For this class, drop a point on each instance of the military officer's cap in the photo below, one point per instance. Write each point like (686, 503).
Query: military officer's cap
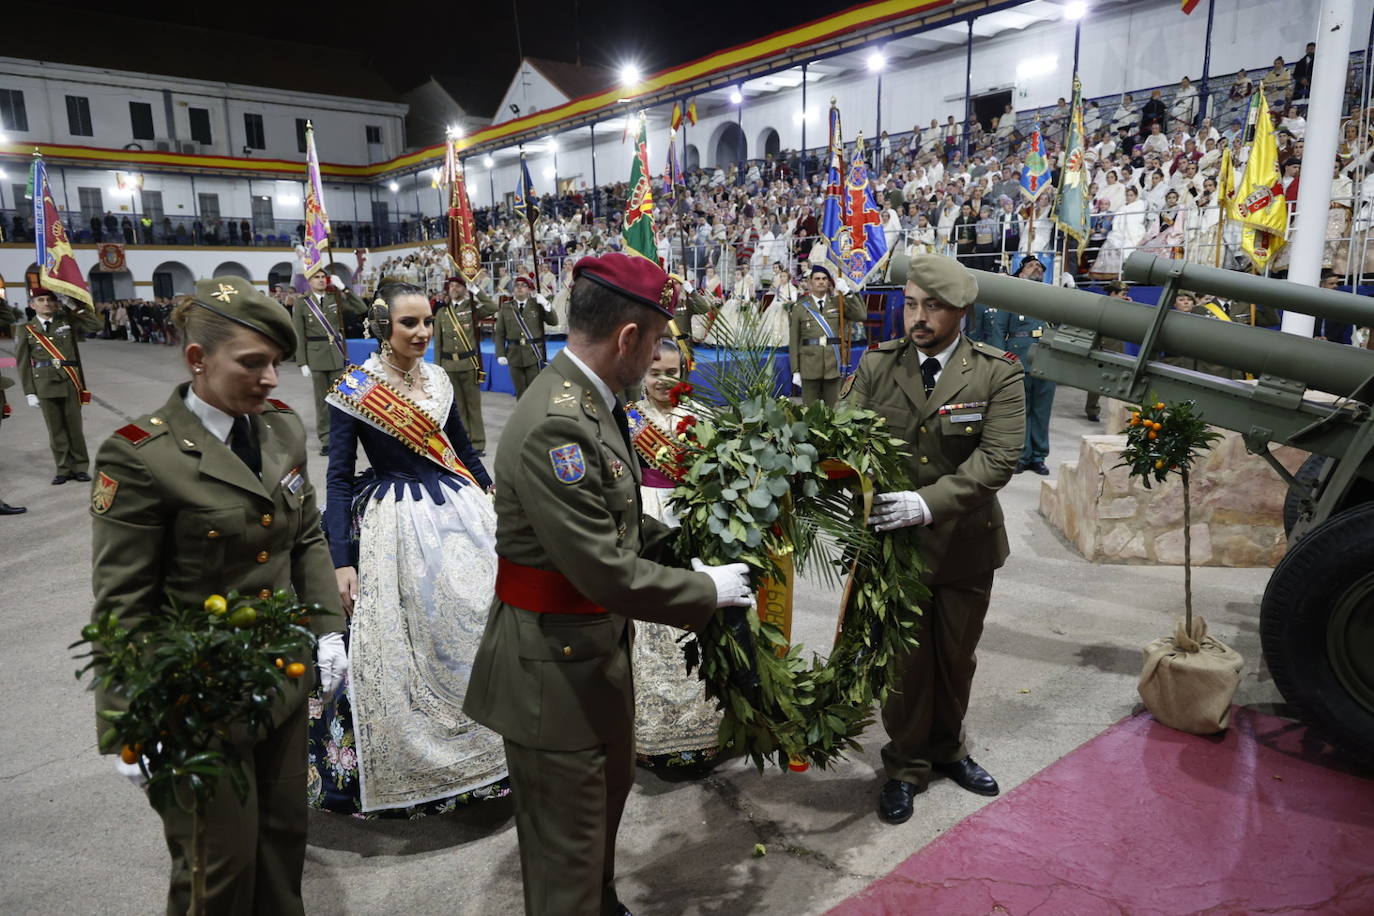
(944, 278)
(635, 277)
(525, 279)
(235, 298)
(457, 279)
(1029, 259)
(822, 270)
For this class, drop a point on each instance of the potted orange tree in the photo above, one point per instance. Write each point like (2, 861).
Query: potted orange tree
(1189, 678)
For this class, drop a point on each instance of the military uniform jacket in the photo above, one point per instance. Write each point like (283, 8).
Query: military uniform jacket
(689, 304)
(315, 347)
(176, 517)
(8, 315)
(449, 351)
(64, 330)
(567, 500)
(1016, 333)
(964, 441)
(817, 360)
(511, 341)
(980, 323)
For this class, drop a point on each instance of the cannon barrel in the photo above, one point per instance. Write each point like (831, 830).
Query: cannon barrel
(1151, 270)
(1318, 364)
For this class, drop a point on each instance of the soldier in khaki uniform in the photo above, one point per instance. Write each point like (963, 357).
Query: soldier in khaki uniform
(53, 380)
(961, 407)
(206, 494)
(321, 348)
(519, 333)
(814, 347)
(457, 350)
(552, 673)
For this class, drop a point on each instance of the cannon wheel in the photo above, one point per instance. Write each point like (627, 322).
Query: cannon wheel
(1307, 475)
(1317, 630)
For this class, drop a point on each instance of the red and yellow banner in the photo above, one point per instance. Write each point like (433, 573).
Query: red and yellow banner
(57, 267)
(462, 228)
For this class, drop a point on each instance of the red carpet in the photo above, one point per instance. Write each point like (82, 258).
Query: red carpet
(1146, 820)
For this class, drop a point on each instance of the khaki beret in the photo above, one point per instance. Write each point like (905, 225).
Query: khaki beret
(235, 298)
(944, 278)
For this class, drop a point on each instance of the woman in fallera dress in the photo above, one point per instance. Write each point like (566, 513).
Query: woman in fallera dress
(675, 724)
(413, 544)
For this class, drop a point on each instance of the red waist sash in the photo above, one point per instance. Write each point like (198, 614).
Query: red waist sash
(544, 591)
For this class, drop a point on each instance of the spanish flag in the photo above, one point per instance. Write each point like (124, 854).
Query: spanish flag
(1189, 6)
(692, 112)
(1259, 203)
(676, 121)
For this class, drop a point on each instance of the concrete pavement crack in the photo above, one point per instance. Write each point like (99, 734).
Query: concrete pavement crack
(768, 831)
(38, 766)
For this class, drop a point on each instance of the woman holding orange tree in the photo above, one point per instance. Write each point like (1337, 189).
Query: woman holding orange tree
(206, 495)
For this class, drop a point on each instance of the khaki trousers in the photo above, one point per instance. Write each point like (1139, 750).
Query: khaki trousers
(924, 719)
(66, 437)
(255, 849)
(818, 389)
(323, 380)
(522, 376)
(467, 394)
(567, 812)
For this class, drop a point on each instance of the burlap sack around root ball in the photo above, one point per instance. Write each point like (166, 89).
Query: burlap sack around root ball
(1189, 679)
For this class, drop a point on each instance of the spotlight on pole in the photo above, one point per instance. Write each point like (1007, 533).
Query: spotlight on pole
(876, 61)
(488, 162)
(553, 145)
(1075, 10)
(630, 74)
(736, 96)
(393, 187)
(548, 171)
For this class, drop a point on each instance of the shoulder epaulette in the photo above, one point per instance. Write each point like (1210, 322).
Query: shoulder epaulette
(895, 343)
(564, 398)
(1005, 355)
(133, 432)
(141, 432)
(280, 405)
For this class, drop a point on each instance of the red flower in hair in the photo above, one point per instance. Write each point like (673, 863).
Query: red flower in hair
(678, 392)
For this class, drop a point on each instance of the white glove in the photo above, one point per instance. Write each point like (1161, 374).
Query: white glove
(501, 361)
(131, 772)
(731, 581)
(796, 379)
(841, 285)
(898, 510)
(539, 297)
(32, 399)
(332, 659)
(305, 372)
(688, 287)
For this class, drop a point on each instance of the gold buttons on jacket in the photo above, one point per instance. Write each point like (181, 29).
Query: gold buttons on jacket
(265, 594)
(968, 429)
(156, 421)
(262, 556)
(266, 519)
(923, 429)
(212, 533)
(567, 650)
(925, 460)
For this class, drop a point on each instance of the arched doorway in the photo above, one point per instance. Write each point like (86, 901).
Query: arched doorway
(109, 285)
(172, 278)
(233, 269)
(691, 157)
(770, 142)
(730, 146)
(280, 275)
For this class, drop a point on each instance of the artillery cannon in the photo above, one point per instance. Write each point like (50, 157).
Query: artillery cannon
(1317, 615)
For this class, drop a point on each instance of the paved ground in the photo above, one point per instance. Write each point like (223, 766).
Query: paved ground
(1059, 662)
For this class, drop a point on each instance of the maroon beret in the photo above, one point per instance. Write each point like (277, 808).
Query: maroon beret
(525, 279)
(634, 276)
(462, 280)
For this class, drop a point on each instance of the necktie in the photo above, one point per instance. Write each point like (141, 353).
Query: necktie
(622, 423)
(241, 443)
(930, 367)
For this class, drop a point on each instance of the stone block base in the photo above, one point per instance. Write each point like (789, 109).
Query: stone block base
(1236, 514)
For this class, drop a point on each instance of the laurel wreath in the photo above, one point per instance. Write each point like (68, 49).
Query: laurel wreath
(755, 489)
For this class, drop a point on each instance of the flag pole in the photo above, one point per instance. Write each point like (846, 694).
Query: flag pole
(529, 220)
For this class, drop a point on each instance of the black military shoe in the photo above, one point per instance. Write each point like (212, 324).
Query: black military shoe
(7, 509)
(1039, 468)
(59, 479)
(894, 800)
(969, 775)
(1093, 418)
(1020, 466)
(81, 476)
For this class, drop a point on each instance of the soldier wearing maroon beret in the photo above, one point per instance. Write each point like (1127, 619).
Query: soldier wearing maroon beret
(518, 334)
(552, 673)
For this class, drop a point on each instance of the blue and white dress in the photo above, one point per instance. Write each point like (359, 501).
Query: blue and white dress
(425, 541)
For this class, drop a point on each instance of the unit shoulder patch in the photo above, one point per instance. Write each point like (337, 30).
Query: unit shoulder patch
(569, 465)
(103, 493)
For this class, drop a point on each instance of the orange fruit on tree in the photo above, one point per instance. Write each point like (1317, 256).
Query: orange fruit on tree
(1159, 464)
(216, 605)
(1152, 435)
(1159, 405)
(279, 663)
(128, 755)
(295, 670)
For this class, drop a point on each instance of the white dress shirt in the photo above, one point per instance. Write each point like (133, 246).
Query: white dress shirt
(219, 423)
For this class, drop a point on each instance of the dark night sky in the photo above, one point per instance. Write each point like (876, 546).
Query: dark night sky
(406, 42)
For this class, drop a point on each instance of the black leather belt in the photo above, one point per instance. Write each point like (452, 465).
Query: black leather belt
(819, 341)
(308, 337)
(469, 354)
(49, 363)
(1022, 334)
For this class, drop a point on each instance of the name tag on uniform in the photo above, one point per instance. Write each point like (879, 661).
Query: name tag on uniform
(293, 481)
(1037, 332)
(965, 417)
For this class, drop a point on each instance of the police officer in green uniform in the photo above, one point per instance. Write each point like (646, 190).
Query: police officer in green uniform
(1016, 334)
(49, 357)
(980, 321)
(519, 333)
(457, 349)
(206, 494)
(8, 315)
(960, 405)
(552, 673)
(814, 344)
(322, 348)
